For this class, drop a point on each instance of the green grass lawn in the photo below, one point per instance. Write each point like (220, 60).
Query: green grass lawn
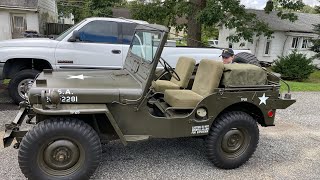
(311, 84)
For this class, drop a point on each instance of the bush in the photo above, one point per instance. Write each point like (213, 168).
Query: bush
(294, 66)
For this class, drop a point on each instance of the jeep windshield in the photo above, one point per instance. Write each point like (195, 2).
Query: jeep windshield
(144, 45)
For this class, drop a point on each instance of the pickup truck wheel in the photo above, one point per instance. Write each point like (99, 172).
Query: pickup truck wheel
(60, 148)
(232, 140)
(21, 83)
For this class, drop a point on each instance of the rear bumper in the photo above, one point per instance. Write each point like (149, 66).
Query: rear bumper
(12, 130)
(281, 103)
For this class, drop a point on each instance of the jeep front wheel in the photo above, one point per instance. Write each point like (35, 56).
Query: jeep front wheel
(60, 148)
(21, 83)
(232, 140)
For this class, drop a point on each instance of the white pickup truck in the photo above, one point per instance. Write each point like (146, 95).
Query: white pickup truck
(94, 43)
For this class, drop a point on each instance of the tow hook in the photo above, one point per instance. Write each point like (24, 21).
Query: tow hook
(287, 96)
(16, 145)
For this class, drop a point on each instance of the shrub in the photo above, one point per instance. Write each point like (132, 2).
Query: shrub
(294, 66)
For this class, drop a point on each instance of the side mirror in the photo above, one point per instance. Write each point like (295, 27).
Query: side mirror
(75, 36)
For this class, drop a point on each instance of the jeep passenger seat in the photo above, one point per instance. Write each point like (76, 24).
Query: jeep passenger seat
(184, 69)
(207, 79)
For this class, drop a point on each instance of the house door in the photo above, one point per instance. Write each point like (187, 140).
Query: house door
(18, 25)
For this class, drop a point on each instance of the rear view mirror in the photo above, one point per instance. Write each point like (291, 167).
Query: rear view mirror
(75, 36)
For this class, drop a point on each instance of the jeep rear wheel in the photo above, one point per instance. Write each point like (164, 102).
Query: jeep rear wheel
(232, 140)
(60, 148)
(21, 83)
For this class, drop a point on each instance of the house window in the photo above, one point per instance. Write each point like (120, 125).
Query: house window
(305, 43)
(267, 47)
(295, 42)
(18, 25)
(230, 45)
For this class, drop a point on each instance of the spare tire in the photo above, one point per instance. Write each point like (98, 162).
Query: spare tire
(246, 58)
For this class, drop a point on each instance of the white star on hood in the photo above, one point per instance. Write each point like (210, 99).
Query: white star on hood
(263, 99)
(82, 77)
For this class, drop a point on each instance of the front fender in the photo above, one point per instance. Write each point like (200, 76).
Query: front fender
(78, 109)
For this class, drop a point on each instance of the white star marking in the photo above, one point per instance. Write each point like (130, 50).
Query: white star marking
(263, 99)
(77, 77)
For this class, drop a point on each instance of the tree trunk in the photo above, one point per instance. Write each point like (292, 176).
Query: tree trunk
(194, 27)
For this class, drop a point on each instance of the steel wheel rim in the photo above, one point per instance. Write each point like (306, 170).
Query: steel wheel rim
(235, 142)
(24, 86)
(53, 157)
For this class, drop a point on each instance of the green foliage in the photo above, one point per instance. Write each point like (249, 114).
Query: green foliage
(88, 8)
(295, 66)
(160, 12)
(209, 33)
(308, 9)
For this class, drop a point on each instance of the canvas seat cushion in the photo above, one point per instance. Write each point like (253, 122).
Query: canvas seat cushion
(182, 98)
(162, 85)
(184, 69)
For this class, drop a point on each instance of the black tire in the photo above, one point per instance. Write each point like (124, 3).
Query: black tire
(232, 140)
(246, 58)
(21, 77)
(74, 148)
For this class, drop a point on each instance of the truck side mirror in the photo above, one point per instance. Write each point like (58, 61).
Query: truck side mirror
(75, 36)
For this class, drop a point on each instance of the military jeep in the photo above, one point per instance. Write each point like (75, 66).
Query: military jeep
(74, 113)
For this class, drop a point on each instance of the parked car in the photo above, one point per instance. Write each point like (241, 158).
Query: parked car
(31, 34)
(94, 43)
(213, 43)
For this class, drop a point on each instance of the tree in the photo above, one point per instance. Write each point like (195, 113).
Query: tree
(88, 8)
(208, 13)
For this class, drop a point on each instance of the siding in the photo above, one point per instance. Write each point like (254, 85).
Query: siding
(280, 44)
(5, 19)
(32, 21)
(224, 43)
(5, 31)
(48, 6)
(48, 13)
(276, 47)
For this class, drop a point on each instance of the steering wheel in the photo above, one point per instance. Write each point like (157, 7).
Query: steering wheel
(168, 69)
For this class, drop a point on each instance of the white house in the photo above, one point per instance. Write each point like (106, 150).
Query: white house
(287, 36)
(16, 16)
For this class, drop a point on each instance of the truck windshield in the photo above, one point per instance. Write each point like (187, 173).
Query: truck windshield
(145, 45)
(64, 34)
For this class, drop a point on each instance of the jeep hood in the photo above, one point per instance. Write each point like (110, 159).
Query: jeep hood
(87, 86)
(29, 42)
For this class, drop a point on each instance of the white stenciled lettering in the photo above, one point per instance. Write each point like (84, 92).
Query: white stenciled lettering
(200, 129)
(244, 99)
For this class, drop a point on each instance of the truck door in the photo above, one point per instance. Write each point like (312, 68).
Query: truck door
(99, 47)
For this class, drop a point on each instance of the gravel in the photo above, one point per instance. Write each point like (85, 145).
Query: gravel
(290, 150)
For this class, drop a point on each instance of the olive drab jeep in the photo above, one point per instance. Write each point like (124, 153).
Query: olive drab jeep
(74, 112)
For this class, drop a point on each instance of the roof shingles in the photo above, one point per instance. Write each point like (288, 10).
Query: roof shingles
(304, 23)
(25, 4)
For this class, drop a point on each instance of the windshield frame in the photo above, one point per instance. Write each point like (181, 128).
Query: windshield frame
(153, 49)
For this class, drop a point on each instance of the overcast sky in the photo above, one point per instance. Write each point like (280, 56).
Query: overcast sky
(260, 4)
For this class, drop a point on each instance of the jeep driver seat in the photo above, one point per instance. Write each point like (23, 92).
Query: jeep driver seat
(184, 69)
(207, 79)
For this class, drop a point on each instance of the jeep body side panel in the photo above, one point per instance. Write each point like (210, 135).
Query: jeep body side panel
(141, 122)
